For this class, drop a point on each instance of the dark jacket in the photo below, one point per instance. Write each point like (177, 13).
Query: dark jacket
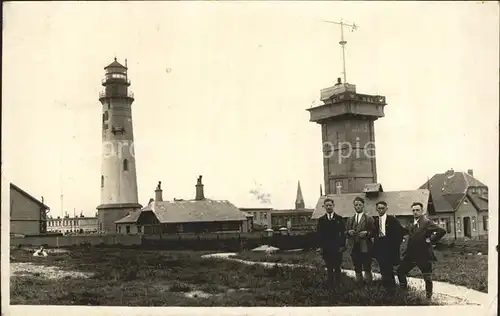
(388, 247)
(330, 233)
(367, 224)
(417, 248)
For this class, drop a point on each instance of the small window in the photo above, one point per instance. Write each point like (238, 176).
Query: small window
(466, 201)
(485, 223)
(127, 228)
(102, 181)
(459, 224)
(474, 226)
(119, 229)
(139, 229)
(125, 165)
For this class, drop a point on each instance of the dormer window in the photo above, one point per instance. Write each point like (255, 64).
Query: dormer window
(466, 201)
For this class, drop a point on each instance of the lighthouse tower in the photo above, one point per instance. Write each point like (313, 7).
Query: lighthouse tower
(118, 168)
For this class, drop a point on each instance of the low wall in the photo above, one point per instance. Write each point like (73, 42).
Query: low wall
(66, 241)
(227, 242)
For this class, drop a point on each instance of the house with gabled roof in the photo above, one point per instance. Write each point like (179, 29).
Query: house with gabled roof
(461, 204)
(198, 215)
(398, 202)
(28, 215)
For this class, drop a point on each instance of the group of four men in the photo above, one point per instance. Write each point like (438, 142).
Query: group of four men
(379, 238)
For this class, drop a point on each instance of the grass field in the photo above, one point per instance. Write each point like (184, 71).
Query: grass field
(454, 265)
(131, 277)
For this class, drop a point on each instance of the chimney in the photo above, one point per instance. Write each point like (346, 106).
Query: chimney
(199, 190)
(470, 172)
(158, 193)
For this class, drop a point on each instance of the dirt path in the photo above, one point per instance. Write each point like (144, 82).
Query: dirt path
(445, 293)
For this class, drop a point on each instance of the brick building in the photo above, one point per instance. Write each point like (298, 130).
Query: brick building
(199, 215)
(261, 216)
(28, 215)
(461, 204)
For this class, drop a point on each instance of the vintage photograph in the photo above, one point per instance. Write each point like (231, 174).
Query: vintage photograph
(250, 154)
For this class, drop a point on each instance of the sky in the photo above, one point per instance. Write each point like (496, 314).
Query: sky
(221, 90)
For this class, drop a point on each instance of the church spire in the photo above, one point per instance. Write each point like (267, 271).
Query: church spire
(299, 201)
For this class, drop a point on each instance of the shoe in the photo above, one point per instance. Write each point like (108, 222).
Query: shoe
(369, 276)
(359, 277)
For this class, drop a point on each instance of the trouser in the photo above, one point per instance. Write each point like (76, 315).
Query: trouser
(387, 271)
(362, 262)
(333, 262)
(407, 264)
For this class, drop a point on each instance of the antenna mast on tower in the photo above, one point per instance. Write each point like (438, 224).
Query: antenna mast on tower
(342, 41)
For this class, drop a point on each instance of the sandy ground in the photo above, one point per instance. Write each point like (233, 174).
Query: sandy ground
(49, 272)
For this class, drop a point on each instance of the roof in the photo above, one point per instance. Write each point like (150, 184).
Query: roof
(373, 187)
(115, 63)
(449, 189)
(292, 211)
(398, 202)
(29, 196)
(130, 218)
(184, 211)
(479, 201)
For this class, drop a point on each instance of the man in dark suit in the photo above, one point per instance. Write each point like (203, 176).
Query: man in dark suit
(331, 240)
(387, 242)
(422, 234)
(360, 230)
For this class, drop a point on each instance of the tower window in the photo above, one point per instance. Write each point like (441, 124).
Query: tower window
(102, 181)
(125, 165)
(105, 115)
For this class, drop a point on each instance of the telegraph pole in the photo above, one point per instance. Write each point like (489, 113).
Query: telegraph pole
(342, 41)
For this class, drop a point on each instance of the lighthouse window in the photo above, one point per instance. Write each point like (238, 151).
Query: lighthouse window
(106, 116)
(125, 165)
(102, 181)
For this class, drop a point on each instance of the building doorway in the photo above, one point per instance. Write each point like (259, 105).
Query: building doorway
(467, 227)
